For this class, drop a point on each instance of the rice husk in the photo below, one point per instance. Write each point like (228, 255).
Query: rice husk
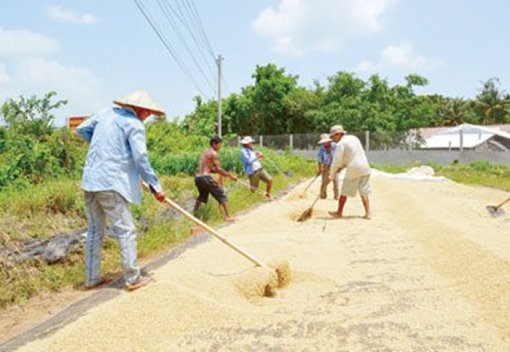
(257, 282)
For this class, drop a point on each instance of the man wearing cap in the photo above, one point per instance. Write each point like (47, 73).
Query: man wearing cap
(209, 164)
(349, 155)
(116, 160)
(253, 167)
(324, 160)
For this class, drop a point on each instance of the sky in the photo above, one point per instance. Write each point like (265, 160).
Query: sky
(92, 52)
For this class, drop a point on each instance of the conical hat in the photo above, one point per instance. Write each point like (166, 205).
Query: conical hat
(140, 99)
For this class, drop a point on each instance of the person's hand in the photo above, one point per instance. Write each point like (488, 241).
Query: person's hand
(260, 155)
(161, 196)
(233, 177)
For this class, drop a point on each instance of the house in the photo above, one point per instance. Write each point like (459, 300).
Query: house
(467, 137)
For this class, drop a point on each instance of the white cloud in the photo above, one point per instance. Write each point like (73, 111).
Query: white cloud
(24, 70)
(4, 76)
(78, 85)
(62, 14)
(399, 56)
(21, 43)
(301, 26)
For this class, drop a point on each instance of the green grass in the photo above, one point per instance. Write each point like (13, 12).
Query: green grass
(480, 173)
(39, 211)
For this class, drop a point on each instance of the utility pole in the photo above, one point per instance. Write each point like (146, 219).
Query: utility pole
(218, 62)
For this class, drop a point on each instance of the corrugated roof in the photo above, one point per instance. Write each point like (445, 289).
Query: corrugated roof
(473, 136)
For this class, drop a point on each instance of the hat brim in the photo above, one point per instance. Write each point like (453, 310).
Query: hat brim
(153, 111)
(337, 132)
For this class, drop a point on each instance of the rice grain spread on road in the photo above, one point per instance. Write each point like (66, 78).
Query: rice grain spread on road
(430, 272)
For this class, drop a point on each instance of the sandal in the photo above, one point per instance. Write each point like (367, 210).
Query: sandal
(102, 281)
(141, 282)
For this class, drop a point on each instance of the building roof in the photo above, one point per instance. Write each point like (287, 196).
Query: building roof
(431, 131)
(473, 136)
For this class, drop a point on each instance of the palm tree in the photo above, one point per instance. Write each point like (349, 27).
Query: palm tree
(453, 111)
(490, 103)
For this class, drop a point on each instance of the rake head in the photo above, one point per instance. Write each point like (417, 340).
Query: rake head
(495, 211)
(307, 214)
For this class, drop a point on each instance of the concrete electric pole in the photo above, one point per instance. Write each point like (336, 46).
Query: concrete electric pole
(218, 62)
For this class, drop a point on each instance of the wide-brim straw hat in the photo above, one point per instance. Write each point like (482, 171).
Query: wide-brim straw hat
(140, 99)
(337, 129)
(247, 140)
(324, 139)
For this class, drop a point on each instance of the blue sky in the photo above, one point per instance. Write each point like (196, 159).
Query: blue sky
(93, 51)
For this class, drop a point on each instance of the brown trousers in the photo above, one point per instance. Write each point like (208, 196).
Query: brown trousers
(325, 183)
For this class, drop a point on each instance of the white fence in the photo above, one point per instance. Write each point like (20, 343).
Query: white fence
(396, 148)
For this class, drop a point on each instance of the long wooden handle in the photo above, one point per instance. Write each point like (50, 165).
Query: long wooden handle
(213, 232)
(506, 201)
(315, 201)
(246, 184)
(311, 182)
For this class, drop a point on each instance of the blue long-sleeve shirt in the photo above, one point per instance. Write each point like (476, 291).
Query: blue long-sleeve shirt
(324, 157)
(117, 154)
(250, 161)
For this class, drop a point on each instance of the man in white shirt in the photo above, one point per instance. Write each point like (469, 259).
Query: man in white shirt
(349, 155)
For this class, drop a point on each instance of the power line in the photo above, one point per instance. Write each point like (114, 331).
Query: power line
(182, 19)
(193, 13)
(175, 28)
(166, 44)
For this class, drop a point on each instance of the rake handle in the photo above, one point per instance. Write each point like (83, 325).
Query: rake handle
(209, 229)
(311, 182)
(315, 201)
(246, 184)
(503, 203)
(215, 233)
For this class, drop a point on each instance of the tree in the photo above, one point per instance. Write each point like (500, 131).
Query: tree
(272, 85)
(453, 111)
(32, 116)
(490, 103)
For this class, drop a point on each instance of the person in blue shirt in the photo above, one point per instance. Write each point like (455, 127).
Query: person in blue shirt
(324, 160)
(253, 167)
(116, 161)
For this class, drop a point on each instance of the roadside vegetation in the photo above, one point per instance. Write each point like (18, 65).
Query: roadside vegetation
(40, 195)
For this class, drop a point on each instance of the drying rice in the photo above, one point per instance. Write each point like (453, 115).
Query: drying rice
(400, 282)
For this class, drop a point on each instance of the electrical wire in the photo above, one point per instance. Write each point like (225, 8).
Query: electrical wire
(175, 28)
(167, 44)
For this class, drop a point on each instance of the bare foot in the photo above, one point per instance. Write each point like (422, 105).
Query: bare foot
(230, 219)
(367, 217)
(335, 214)
(269, 196)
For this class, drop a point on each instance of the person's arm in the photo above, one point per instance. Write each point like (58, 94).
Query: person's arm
(319, 161)
(216, 167)
(138, 144)
(338, 162)
(86, 129)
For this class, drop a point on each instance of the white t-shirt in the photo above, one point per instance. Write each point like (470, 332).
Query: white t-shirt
(349, 154)
(256, 165)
